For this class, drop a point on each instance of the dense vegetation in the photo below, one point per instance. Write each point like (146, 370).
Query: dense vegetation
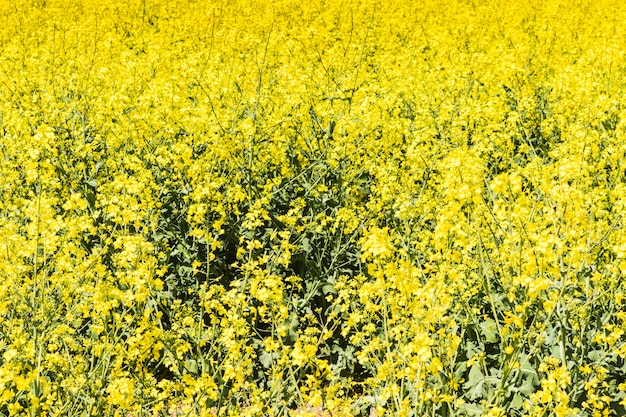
(330, 207)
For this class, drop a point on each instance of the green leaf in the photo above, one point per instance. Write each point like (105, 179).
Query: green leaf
(474, 384)
(266, 359)
(329, 289)
(192, 366)
(91, 198)
(490, 330)
(472, 409)
(475, 375)
(517, 402)
(596, 355)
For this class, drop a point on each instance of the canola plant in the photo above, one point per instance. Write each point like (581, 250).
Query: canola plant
(321, 208)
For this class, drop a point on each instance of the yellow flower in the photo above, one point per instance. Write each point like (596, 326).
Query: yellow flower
(15, 408)
(121, 392)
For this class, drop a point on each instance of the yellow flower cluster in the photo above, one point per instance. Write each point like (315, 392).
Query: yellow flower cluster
(353, 207)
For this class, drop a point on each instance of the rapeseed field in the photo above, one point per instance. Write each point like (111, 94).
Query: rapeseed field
(320, 208)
